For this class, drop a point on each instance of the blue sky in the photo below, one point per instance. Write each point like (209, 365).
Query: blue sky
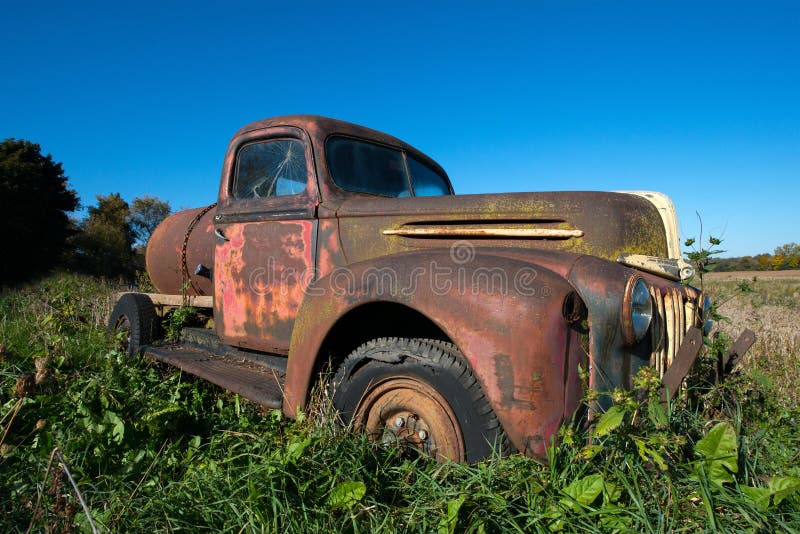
(698, 100)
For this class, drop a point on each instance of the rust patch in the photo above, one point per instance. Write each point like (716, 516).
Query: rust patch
(512, 394)
(262, 273)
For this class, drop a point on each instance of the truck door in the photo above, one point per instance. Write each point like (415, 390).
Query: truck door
(265, 228)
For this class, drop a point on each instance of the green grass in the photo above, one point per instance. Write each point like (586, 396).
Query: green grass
(152, 449)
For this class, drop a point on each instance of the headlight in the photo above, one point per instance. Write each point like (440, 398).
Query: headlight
(637, 310)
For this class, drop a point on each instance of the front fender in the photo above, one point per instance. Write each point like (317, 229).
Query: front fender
(504, 314)
(613, 363)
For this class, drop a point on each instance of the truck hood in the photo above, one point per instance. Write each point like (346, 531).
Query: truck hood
(604, 224)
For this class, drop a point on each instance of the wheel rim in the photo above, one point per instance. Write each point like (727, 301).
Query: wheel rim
(407, 412)
(123, 324)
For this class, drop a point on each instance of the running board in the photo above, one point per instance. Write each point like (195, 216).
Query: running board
(252, 380)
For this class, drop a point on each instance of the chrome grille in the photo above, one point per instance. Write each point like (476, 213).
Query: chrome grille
(675, 310)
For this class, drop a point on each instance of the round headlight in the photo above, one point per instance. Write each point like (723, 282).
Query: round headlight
(637, 311)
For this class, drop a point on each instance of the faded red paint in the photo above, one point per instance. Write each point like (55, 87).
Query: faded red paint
(261, 273)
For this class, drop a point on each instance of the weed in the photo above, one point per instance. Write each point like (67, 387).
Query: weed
(176, 319)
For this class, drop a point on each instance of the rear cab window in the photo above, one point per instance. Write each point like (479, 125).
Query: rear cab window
(364, 167)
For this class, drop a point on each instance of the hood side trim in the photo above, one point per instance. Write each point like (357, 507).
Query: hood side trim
(449, 231)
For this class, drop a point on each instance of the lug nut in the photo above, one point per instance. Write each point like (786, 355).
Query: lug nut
(399, 422)
(423, 435)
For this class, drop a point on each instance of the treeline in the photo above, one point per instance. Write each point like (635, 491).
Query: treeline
(784, 258)
(42, 232)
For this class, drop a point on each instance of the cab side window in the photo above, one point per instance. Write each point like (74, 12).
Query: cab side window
(271, 168)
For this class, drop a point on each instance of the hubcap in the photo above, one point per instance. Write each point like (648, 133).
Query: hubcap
(407, 412)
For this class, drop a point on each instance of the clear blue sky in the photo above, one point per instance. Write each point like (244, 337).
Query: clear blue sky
(702, 103)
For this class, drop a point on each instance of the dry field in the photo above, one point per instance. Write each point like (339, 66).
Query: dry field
(767, 302)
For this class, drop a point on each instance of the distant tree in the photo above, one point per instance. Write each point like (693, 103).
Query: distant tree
(34, 201)
(788, 249)
(777, 262)
(104, 244)
(147, 212)
(791, 254)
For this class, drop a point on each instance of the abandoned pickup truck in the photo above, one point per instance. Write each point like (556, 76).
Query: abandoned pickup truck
(447, 323)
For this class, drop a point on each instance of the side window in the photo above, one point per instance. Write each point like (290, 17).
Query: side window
(426, 181)
(270, 169)
(366, 167)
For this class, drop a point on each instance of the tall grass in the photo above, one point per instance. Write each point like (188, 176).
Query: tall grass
(152, 449)
(771, 308)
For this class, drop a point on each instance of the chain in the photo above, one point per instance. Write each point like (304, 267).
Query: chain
(186, 278)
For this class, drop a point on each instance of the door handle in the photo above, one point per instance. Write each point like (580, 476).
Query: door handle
(220, 234)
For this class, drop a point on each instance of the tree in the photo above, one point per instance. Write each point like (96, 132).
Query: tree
(791, 254)
(34, 201)
(104, 244)
(146, 213)
(788, 249)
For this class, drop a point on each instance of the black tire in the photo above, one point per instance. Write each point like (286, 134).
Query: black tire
(389, 383)
(135, 314)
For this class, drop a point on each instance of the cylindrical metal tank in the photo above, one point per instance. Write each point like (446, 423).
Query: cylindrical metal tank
(192, 230)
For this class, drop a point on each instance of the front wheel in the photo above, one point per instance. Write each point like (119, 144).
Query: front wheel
(417, 394)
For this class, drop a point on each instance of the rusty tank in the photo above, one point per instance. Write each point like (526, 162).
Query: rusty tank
(181, 243)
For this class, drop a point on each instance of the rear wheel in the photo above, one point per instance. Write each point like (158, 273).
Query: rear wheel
(134, 317)
(417, 394)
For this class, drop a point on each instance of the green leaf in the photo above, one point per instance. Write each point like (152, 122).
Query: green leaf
(555, 517)
(649, 454)
(588, 452)
(657, 414)
(782, 487)
(496, 503)
(447, 525)
(295, 450)
(719, 452)
(779, 488)
(615, 518)
(117, 426)
(346, 494)
(609, 421)
(611, 493)
(164, 413)
(759, 496)
(583, 491)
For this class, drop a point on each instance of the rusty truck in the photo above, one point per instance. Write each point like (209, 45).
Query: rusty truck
(449, 324)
